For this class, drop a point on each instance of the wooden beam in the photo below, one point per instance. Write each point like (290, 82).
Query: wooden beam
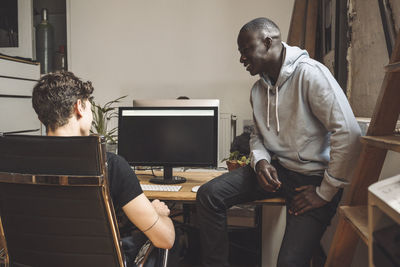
(393, 67)
(387, 108)
(370, 163)
(298, 24)
(303, 25)
(311, 27)
(343, 245)
(367, 171)
(389, 142)
(358, 218)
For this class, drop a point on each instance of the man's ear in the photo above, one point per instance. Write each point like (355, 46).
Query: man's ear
(268, 42)
(78, 108)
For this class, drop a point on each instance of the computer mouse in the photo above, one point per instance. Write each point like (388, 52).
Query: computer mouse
(195, 188)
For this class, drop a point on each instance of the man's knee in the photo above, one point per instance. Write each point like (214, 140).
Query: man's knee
(207, 196)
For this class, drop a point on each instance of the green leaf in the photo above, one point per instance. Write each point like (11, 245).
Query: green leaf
(236, 156)
(102, 115)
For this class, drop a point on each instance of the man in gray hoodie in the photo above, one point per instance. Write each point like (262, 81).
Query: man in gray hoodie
(304, 147)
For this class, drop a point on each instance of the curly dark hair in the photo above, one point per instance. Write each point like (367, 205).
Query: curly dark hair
(55, 95)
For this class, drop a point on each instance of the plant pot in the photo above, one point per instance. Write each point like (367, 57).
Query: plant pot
(233, 164)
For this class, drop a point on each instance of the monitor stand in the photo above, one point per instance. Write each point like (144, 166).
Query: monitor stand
(168, 178)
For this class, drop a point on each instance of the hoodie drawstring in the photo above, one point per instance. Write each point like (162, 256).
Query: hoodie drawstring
(276, 107)
(268, 88)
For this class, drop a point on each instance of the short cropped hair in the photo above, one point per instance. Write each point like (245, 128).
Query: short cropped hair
(55, 95)
(261, 24)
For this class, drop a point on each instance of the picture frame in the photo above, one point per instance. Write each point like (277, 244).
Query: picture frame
(25, 32)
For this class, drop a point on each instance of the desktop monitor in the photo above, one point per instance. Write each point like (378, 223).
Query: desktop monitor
(169, 133)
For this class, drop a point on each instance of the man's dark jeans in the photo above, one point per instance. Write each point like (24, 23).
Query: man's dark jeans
(302, 234)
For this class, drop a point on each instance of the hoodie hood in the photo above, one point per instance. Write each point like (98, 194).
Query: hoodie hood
(292, 56)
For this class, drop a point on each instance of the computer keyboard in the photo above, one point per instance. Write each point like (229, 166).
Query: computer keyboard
(161, 187)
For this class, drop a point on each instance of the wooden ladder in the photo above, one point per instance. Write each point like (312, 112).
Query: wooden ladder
(380, 137)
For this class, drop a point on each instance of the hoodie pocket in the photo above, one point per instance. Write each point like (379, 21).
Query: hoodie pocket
(300, 159)
(310, 151)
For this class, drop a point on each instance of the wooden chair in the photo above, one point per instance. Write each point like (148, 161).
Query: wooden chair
(55, 206)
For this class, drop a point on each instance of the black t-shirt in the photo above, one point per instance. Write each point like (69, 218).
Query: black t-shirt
(124, 186)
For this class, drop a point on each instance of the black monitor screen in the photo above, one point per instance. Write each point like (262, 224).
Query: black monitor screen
(168, 136)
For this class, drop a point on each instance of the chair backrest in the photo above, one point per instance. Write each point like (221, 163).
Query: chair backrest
(55, 207)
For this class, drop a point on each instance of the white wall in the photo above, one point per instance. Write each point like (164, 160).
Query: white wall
(164, 49)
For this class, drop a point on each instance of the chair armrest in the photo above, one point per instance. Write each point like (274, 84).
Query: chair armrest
(151, 255)
(2, 257)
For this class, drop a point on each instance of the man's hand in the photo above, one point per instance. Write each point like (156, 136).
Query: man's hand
(160, 207)
(267, 176)
(306, 200)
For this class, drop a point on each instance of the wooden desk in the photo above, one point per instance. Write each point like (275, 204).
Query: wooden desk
(185, 195)
(193, 179)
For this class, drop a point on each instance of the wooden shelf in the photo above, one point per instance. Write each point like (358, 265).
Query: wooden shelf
(390, 142)
(393, 67)
(358, 218)
(19, 59)
(369, 166)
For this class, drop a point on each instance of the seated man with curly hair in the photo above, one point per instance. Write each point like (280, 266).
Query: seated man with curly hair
(62, 103)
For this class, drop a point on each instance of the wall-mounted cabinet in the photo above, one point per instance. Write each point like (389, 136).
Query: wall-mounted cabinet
(17, 78)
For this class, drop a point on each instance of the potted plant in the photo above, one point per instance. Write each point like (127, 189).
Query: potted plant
(101, 118)
(236, 160)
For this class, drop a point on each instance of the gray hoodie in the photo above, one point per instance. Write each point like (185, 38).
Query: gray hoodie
(306, 122)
